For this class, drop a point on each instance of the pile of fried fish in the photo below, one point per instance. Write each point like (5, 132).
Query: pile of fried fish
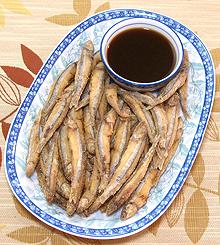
(96, 146)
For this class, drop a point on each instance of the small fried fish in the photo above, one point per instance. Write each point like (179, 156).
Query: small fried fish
(55, 119)
(122, 136)
(33, 155)
(96, 59)
(103, 105)
(65, 79)
(160, 120)
(65, 152)
(145, 98)
(96, 90)
(44, 159)
(43, 184)
(89, 131)
(77, 117)
(112, 98)
(54, 167)
(84, 100)
(60, 200)
(63, 186)
(78, 166)
(89, 195)
(83, 71)
(139, 198)
(172, 150)
(103, 140)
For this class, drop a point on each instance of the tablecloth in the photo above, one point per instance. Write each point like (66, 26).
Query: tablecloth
(30, 29)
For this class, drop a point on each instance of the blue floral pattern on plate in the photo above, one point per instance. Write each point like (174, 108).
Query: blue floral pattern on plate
(201, 93)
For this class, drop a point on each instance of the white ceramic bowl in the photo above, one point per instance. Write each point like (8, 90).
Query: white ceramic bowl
(141, 22)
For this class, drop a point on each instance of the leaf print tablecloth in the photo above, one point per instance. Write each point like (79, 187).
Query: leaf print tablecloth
(29, 31)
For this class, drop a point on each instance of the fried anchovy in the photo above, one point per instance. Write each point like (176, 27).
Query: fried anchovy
(127, 110)
(83, 71)
(147, 146)
(54, 167)
(43, 184)
(89, 195)
(160, 120)
(139, 198)
(139, 110)
(66, 78)
(96, 59)
(96, 90)
(121, 138)
(48, 163)
(84, 100)
(60, 201)
(159, 163)
(114, 132)
(172, 86)
(173, 100)
(88, 170)
(78, 166)
(33, 155)
(112, 98)
(134, 122)
(104, 206)
(125, 167)
(44, 168)
(159, 159)
(146, 149)
(44, 155)
(89, 131)
(151, 123)
(55, 119)
(130, 186)
(63, 186)
(103, 102)
(145, 98)
(172, 150)
(77, 117)
(65, 152)
(103, 140)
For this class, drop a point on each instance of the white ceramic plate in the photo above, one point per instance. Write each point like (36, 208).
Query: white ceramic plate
(99, 226)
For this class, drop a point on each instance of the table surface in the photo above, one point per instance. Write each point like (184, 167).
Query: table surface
(30, 29)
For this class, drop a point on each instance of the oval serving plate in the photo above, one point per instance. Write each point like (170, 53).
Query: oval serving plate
(98, 226)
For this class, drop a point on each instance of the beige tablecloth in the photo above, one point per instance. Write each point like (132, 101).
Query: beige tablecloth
(30, 29)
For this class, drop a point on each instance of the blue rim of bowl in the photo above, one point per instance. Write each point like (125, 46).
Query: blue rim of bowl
(133, 83)
(11, 141)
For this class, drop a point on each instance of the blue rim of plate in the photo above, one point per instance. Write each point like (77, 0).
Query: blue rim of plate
(127, 230)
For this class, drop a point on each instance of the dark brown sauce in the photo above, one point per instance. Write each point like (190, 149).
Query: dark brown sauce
(141, 55)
